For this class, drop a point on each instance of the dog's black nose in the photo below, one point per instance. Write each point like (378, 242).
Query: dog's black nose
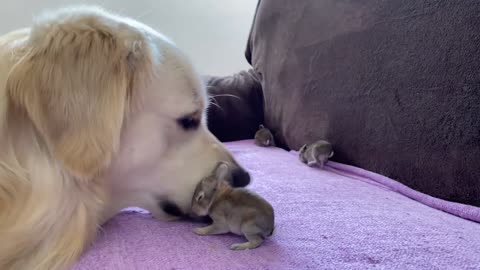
(170, 208)
(240, 178)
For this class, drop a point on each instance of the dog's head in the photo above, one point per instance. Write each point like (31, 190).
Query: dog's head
(111, 98)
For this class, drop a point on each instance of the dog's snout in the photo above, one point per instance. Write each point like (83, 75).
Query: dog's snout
(240, 177)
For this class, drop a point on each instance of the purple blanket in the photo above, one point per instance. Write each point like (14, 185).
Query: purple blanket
(339, 218)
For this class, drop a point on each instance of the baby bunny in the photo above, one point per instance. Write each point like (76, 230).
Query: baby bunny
(235, 210)
(316, 153)
(264, 137)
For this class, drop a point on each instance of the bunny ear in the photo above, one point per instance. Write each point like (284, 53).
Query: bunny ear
(221, 173)
(261, 127)
(331, 154)
(303, 148)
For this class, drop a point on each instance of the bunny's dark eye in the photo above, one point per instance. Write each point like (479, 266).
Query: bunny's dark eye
(200, 197)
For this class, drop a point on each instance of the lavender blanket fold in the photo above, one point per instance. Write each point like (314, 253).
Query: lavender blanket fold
(339, 218)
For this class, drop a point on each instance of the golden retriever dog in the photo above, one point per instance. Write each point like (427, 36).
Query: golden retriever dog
(97, 113)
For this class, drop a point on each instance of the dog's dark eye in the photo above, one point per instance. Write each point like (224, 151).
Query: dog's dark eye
(188, 123)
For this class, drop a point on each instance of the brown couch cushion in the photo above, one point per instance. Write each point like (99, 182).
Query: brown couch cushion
(394, 85)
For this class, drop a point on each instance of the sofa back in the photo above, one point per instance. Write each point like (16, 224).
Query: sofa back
(394, 85)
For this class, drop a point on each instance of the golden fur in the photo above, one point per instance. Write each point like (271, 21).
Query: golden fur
(68, 87)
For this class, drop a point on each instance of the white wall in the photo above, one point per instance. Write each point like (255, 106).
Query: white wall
(212, 32)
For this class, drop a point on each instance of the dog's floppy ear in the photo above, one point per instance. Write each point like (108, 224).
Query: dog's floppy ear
(73, 84)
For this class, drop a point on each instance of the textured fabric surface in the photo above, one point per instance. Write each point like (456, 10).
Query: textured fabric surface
(394, 85)
(339, 218)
